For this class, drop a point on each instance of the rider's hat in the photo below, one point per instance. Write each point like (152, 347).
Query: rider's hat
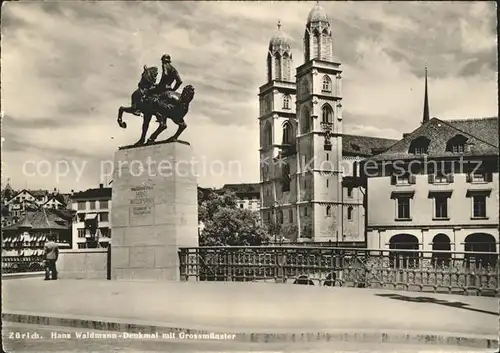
(166, 58)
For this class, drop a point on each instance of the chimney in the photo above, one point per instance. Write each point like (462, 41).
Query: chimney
(101, 186)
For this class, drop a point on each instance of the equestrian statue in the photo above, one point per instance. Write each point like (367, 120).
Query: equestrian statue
(160, 100)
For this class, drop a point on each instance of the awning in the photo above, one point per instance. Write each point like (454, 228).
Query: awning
(90, 216)
(483, 191)
(442, 192)
(402, 193)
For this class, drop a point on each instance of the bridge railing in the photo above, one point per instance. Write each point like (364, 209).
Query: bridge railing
(475, 273)
(20, 264)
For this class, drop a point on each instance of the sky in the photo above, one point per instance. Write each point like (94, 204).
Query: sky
(68, 66)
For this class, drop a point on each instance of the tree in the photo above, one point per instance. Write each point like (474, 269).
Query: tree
(227, 224)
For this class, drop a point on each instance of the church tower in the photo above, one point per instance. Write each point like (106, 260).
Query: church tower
(319, 135)
(277, 121)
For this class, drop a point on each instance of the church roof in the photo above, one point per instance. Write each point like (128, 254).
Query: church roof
(279, 39)
(481, 135)
(364, 146)
(317, 14)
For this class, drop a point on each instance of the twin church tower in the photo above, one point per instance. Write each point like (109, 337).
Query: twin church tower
(302, 188)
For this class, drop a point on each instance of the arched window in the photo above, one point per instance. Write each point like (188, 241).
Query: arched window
(277, 67)
(305, 121)
(420, 145)
(349, 213)
(328, 211)
(286, 101)
(287, 133)
(327, 114)
(327, 84)
(268, 134)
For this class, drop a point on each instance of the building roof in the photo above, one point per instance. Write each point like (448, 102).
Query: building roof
(42, 219)
(100, 192)
(365, 145)
(249, 188)
(481, 137)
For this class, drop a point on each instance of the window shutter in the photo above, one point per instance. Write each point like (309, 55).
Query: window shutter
(412, 179)
(393, 180)
(431, 178)
(450, 178)
(469, 178)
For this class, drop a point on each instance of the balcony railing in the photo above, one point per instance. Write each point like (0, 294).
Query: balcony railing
(413, 270)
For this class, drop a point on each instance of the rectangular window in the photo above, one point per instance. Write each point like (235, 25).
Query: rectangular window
(328, 156)
(81, 233)
(92, 205)
(479, 206)
(104, 217)
(327, 182)
(440, 178)
(403, 208)
(478, 177)
(349, 192)
(420, 150)
(403, 179)
(305, 211)
(81, 205)
(290, 216)
(81, 217)
(103, 204)
(441, 206)
(459, 148)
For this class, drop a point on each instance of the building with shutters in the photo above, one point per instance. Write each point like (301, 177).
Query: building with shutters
(437, 188)
(309, 181)
(92, 223)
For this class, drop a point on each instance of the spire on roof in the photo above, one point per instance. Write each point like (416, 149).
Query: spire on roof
(426, 101)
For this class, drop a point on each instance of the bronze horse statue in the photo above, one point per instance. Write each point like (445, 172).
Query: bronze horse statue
(148, 102)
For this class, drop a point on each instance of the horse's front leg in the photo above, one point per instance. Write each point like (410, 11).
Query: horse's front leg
(145, 126)
(122, 110)
(162, 127)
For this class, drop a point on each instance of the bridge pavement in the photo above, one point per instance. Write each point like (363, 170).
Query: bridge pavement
(255, 311)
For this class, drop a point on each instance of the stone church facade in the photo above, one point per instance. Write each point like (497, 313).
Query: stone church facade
(310, 188)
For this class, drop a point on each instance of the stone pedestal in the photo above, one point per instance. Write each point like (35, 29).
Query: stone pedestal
(155, 210)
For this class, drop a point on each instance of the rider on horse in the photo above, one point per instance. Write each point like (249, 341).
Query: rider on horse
(169, 74)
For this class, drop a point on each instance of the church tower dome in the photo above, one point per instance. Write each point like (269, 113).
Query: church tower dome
(279, 40)
(317, 14)
(318, 41)
(279, 57)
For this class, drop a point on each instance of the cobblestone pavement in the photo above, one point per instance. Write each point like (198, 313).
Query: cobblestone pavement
(72, 344)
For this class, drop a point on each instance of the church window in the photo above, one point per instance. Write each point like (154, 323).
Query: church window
(268, 134)
(327, 114)
(349, 213)
(305, 121)
(327, 84)
(286, 101)
(287, 133)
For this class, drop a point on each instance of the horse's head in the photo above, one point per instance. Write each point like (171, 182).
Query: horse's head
(150, 74)
(187, 94)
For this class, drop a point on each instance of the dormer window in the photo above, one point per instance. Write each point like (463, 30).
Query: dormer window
(420, 145)
(456, 144)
